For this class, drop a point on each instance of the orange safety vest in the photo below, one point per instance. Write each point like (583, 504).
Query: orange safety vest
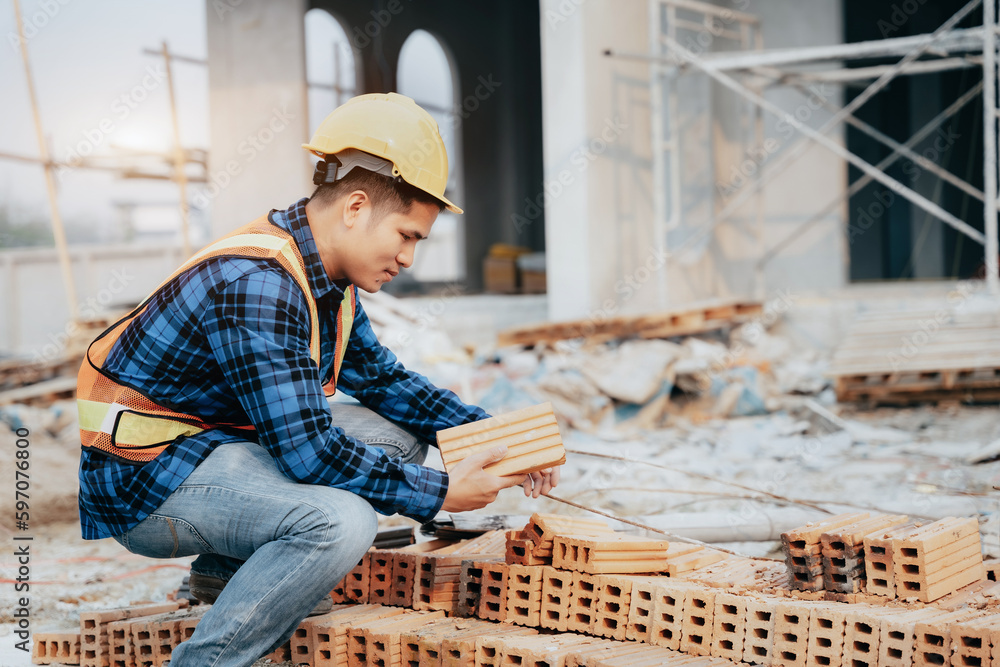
(125, 423)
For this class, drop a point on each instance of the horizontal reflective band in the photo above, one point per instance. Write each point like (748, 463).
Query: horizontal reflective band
(135, 430)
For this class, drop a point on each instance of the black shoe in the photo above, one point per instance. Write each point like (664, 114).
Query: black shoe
(206, 589)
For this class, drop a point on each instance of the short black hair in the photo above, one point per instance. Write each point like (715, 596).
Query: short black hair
(387, 194)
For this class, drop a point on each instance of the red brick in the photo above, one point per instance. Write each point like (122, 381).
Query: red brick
(699, 617)
(56, 647)
(669, 597)
(641, 608)
(758, 643)
(94, 633)
(524, 594)
(493, 599)
(729, 626)
(557, 591)
(610, 554)
(582, 604)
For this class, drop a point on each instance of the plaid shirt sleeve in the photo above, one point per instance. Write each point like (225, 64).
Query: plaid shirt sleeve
(372, 374)
(257, 326)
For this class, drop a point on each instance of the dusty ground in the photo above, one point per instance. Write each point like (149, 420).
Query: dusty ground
(905, 460)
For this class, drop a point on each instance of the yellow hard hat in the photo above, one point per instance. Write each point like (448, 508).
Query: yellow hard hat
(394, 128)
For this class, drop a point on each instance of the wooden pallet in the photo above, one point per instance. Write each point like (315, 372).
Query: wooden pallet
(920, 356)
(693, 319)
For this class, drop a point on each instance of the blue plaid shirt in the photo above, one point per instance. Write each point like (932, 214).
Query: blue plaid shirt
(228, 341)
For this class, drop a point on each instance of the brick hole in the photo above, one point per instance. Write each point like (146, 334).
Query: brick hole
(413, 663)
(825, 623)
(896, 634)
(934, 640)
(455, 653)
(790, 638)
(489, 652)
(523, 578)
(862, 647)
(518, 551)
(798, 544)
(585, 602)
(801, 576)
(909, 552)
(475, 571)
(587, 586)
(556, 582)
(792, 618)
(726, 644)
(840, 578)
(610, 623)
(838, 562)
(639, 611)
(696, 639)
(878, 551)
(933, 658)
(760, 633)
(612, 607)
(729, 609)
(513, 660)
(425, 583)
(474, 588)
(972, 642)
(324, 654)
(880, 583)
(299, 648)
(728, 627)
(799, 560)
(615, 591)
(493, 606)
(188, 633)
(911, 569)
(583, 618)
(971, 661)
(640, 628)
(895, 653)
(400, 579)
(585, 553)
(667, 633)
(146, 650)
(670, 601)
(379, 646)
(553, 615)
(522, 611)
(143, 635)
(89, 624)
(379, 662)
(880, 566)
(496, 576)
(700, 604)
(763, 616)
(163, 634)
(788, 655)
(667, 618)
(837, 546)
(118, 634)
(300, 632)
(431, 653)
(553, 599)
(522, 595)
(822, 659)
(698, 620)
(645, 595)
(493, 590)
(859, 663)
(381, 562)
(825, 642)
(574, 552)
(537, 531)
(911, 585)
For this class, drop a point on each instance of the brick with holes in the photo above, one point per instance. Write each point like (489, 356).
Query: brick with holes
(936, 559)
(973, 640)
(932, 643)
(610, 554)
(758, 642)
(896, 635)
(543, 528)
(524, 594)
(614, 598)
(861, 635)
(843, 551)
(437, 581)
(354, 586)
(641, 607)
(879, 578)
(729, 626)
(470, 586)
(668, 612)
(56, 647)
(302, 643)
(582, 603)
(380, 575)
(699, 616)
(791, 633)
(827, 627)
(520, 550)
(803, 551)
(421, 644)
(493, 599)
(370, 642)
(557, 590)
(459, 649)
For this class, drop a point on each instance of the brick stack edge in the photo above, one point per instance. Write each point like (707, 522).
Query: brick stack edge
(567, 592)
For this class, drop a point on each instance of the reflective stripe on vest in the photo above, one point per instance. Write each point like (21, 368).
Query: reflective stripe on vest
(126, 424)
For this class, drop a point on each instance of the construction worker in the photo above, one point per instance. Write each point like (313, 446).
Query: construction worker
(203, 419)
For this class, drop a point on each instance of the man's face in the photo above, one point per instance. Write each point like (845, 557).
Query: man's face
(380, 249)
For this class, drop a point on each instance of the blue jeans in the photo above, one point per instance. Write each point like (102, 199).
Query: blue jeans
(283, 546)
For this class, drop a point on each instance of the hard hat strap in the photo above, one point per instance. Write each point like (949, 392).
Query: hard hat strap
(336, 167)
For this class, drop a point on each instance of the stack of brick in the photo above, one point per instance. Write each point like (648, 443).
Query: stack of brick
(843, 552)
(95, 641)
(803, 555)
(438, 573)
(610, 554)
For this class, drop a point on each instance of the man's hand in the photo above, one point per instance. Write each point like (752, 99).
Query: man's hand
(543, 481)
(470, 487)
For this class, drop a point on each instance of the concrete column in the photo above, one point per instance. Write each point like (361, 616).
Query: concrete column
(596, 127)
(258, 104)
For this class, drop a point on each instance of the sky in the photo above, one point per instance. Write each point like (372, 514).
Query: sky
(100, 94)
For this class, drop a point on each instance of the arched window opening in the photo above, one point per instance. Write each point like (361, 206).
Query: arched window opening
(330, 67)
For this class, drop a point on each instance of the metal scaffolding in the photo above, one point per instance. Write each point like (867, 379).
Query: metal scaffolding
(746, 72)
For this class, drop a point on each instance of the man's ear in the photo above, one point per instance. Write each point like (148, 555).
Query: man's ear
(357, 208)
